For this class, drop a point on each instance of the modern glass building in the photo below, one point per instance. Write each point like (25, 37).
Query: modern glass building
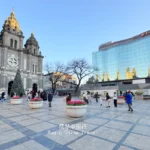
(125, 59)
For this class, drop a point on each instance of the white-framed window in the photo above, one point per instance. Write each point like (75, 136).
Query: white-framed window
(34, 68)
(11, 42)
(15, 44)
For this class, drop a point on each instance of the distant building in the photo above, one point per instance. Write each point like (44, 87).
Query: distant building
(60, 85)
(13, 56)
(125, 59)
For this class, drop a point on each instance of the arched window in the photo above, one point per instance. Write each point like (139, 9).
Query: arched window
(11, 42)
(15, 43)
(33, 68)
(34, 51)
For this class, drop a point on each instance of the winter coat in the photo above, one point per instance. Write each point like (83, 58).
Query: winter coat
(3, 95)
(68, 98)
(96, 96)
(115, 96)
(50, 97)
(44, 96)
(108, 97)
(89, 96)
(129, 98)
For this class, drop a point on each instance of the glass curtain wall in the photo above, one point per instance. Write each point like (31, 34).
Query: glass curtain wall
(125, 61)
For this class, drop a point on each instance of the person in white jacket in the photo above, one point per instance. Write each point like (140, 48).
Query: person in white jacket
(85, 98)
(115, 99)
(89, 97)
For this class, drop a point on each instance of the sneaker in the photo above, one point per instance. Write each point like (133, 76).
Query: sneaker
(132, 110)
(100, 104)
(128, 110)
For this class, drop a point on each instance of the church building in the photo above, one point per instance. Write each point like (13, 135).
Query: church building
(13, 56)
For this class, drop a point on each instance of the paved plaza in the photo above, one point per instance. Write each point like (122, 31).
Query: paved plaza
(22, 128)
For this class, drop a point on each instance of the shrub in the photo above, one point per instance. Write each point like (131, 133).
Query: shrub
(76, 103)
(36, 99)
(138, 92)
(16, 97)
(121, 97)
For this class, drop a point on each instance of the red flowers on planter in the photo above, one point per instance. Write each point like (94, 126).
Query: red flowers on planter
(76, 103)
(36, 99)
(120, 96)
(16, 97)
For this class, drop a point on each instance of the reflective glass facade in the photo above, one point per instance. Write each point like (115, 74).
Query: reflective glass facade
(124, 60)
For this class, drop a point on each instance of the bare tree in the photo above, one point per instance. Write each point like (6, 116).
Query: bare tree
(81, 69)
(55, 73)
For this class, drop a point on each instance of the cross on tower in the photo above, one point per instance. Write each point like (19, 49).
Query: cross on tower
(13, 9)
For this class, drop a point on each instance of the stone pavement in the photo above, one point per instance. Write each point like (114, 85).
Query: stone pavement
(22, 128)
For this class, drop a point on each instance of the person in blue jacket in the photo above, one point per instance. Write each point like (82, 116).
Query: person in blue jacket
(129, 101)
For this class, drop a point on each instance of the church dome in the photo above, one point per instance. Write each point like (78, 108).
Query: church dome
(32, 41)
(12, 22)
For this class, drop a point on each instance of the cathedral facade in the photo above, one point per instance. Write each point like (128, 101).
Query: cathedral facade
(13, 56)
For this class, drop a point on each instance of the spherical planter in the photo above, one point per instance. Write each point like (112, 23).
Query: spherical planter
(16, 101)
(76, 111)
(35, 104)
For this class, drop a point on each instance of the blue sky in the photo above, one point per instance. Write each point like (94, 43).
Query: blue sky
(69, 29)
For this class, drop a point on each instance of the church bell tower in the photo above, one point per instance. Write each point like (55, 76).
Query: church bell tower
(12, 36)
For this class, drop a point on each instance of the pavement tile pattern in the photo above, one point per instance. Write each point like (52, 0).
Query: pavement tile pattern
(22, 128)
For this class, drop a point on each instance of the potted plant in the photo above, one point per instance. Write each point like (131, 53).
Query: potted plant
(138, 95)
(16, 100)
(36, 103)
(17, 90)
(76, 108)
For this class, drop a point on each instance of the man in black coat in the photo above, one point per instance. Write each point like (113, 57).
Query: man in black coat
(50, 97)
(44, 96)
(96, 96)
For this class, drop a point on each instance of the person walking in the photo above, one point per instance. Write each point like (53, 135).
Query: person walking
(108, 99)
(85, 98)
(96, 96)
(68, 98)
(89, 98)
(50, 98)
(100, 100)
(3, 96)
(44, 96)
(125, 96)
(115, 99)
(29, 96)
(129, 101)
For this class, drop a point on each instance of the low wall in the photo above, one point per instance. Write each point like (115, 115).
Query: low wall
(102, 92)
